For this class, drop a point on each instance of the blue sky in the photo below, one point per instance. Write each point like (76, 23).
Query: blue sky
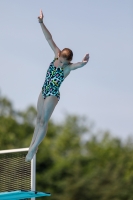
(103, 89)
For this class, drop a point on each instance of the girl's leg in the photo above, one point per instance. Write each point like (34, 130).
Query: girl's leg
(48, 106)
(39, 113)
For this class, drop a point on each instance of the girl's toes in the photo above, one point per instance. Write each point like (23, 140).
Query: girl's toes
(30, 155)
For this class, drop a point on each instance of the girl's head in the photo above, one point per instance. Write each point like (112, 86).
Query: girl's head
(65, 56)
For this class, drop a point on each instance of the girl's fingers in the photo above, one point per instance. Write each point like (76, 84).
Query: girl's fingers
(41, 14)
(87, 56)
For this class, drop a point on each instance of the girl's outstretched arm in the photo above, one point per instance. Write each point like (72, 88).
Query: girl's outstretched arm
(48, 35)
(85, 60)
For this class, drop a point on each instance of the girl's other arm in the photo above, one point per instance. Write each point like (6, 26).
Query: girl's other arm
(85, 60)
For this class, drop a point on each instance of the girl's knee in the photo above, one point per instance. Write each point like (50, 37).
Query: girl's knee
(38, 119)
(43, 122)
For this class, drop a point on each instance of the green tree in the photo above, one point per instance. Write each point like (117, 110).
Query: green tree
(69, 167)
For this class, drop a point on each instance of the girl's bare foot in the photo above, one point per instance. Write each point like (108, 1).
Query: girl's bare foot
(30, 155)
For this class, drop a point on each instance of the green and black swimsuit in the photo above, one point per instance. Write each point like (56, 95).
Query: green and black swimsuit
(53, 80)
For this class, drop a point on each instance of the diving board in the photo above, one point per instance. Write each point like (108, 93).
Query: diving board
(17, 177)
(20, 194)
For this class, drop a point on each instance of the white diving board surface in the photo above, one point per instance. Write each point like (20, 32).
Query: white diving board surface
(21, 194)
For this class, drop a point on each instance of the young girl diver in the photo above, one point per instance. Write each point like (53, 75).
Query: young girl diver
(58, 70)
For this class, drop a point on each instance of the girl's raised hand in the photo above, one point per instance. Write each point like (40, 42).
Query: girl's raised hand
(40, 18)
(85, 59)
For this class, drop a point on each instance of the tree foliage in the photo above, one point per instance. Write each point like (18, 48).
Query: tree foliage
(69, 167)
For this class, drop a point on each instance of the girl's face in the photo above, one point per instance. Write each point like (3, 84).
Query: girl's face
(63, 62)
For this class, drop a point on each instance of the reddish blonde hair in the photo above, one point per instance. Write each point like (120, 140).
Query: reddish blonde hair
(66, 53)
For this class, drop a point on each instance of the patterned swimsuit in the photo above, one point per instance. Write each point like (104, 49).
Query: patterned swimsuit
(53, 80)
